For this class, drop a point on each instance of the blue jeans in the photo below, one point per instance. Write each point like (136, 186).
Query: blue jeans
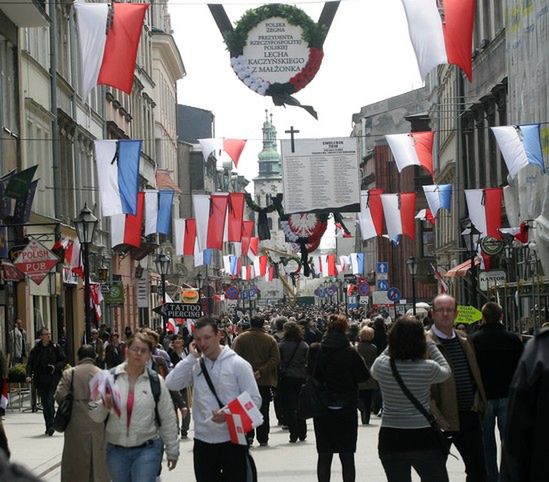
(495, 409)
(134, 464)
(429, 464)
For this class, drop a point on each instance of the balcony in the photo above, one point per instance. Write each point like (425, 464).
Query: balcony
(26, 13)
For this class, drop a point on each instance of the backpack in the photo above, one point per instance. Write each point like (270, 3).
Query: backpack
(154, 380)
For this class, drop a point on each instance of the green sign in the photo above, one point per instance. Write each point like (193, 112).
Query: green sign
(115, 296)
(468, 315)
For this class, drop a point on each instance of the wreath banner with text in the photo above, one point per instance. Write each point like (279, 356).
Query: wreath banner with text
(276, 49)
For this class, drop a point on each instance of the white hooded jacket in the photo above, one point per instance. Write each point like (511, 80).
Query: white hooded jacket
(231, 375)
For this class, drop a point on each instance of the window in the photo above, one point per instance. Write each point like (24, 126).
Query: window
(428, 238)
(8, 86)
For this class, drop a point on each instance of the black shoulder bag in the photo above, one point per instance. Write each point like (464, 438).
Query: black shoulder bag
(282, 371)
(443, 438)
(313, 396)
(64, 411)
(251, 470)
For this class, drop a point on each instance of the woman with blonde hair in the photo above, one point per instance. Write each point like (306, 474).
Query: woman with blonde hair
(143, 427)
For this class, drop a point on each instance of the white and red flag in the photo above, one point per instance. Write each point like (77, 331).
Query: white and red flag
(126, 228)
(425, 215)
(413, 149)
(484, 206)
(242, 415)
(370, 218)
(399, 211)
(109, 36)
(441, 32)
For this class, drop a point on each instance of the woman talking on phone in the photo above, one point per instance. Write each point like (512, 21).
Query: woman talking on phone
(146, 422)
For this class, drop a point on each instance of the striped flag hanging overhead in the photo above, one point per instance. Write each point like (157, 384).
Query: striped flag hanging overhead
(108, 41)
(126, 228)
(118, 175)
(484, 206)
(413, 149)
(441, 33)
(399, 211)
(438, 196)
(158, 211)
(370, 218)
(520, 146)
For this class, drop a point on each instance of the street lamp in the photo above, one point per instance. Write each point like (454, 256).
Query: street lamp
(85, 225)
(162, 262)
(411, 263)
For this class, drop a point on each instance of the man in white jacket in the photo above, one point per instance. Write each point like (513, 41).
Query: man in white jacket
(213, 452)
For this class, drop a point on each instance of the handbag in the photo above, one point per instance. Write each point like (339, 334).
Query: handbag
(63, 414)
(282, 371)
(313, 396)
(443, 438)
(251, 470)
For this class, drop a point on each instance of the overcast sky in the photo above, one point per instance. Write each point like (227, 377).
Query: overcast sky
(367, 57)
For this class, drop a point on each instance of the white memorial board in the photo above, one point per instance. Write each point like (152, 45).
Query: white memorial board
(321, 175)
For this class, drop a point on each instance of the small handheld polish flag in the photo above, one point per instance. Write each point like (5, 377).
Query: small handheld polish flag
(242, 415)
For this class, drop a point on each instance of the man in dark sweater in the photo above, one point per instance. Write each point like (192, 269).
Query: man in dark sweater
(498, 352)
(44, 369)
(458, 402)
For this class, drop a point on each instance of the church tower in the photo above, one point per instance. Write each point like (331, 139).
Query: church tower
(266, 186)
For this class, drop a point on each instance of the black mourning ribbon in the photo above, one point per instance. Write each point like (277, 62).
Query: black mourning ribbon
(263, 231)
(286, 99)
(338, 218)
(304, 255)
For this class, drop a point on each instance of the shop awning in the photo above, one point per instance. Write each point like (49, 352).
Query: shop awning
(10, 272)
(165, 181)
(461, 270)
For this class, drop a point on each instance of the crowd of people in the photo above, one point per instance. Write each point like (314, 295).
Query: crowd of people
(437, 390)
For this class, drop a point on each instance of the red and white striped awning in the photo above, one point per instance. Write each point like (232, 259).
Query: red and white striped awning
(461, 270)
